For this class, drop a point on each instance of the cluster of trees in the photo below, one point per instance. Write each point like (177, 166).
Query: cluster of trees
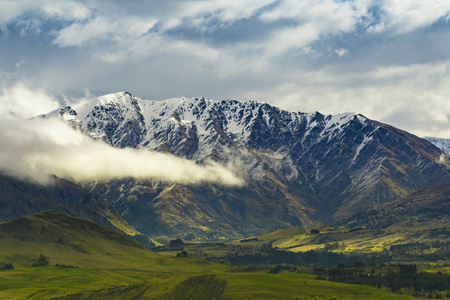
(268, 255)
(183, 253)
(174, 245)
(41, 262)
(6, 266)
(144, 241)
(249, 240)
(397, 278)
(320, 257)
(429, 251)
(66, 266)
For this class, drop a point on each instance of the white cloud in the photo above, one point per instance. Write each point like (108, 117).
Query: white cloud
(341, 52)
(65, 9)
(38, 147)
(61, 9)
(407, 15)
(298, 37)
(79, 33)
(223, 11)
(122, 31)
(21, 102)
(423, 70)
(413, 98)
(314, 19)
(151, 45)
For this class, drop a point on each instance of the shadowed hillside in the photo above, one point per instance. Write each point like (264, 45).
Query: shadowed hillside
(21, 198)
(64, 239)
(429, 204)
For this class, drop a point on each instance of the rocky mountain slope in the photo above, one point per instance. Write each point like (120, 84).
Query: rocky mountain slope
(431, 204)
(443, 144)
(301, 169)
(20, 198)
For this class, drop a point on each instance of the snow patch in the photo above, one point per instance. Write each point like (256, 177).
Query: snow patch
(364, 143)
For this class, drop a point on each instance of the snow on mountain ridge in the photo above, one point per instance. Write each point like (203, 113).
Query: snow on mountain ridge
(191, 117)
(197, 128)
(441, 143)
(254, 133)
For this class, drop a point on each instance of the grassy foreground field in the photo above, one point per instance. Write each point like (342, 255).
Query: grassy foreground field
(180, 283)
(98, 263)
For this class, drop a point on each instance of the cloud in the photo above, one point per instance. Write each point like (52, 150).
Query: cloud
(313, 20)
(222, 13)
(303, 55)
(22, 102)
(413, 98)
(11, 10)
(341, 52)
(38, 147)
(78, 33)
(407, 15)
(100, 28)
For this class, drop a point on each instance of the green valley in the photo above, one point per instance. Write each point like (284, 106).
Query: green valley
(87, 261)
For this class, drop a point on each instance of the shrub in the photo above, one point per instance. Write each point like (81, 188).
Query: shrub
(6, 266)
(42, 261)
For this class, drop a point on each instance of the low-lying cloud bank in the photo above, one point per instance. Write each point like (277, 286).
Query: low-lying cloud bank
(38, 147)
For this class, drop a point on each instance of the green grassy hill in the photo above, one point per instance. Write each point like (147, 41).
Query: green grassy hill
(99, 263)
(64, 239)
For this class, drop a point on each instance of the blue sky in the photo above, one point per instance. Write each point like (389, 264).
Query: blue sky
(388, 60)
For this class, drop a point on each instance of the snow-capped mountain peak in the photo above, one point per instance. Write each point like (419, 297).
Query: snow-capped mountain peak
(301, 168)
(145, 122)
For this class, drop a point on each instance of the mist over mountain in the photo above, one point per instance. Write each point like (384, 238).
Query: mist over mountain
(299, 169)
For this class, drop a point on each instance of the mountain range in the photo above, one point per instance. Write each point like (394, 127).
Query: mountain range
(300, 169)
